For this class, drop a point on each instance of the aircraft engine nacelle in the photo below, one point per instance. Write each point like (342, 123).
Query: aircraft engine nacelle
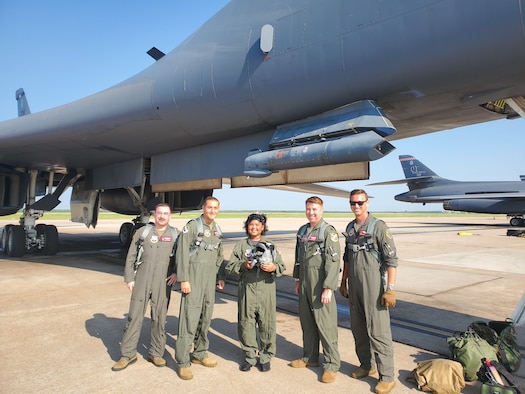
(509, 207)
(119, 200)
(13, 191)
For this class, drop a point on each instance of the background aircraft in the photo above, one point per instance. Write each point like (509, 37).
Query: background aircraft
(292, 92)
(425, 186)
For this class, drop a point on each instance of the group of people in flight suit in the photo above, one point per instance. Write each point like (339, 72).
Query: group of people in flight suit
(194, 257)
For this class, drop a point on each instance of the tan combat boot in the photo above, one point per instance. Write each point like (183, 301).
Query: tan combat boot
(157, 361)
(185, 373)
(328, 377)
(123, 363)
(300, 363)
(207, 362)
(384, 387)
(361, 373)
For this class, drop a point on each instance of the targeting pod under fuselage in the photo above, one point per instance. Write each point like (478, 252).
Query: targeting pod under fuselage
(366, 146)
(353, 133)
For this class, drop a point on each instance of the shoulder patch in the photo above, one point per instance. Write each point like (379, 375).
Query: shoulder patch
(334, 237)
(185, 229)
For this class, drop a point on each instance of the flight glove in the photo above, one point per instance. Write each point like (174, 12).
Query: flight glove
(389, 298)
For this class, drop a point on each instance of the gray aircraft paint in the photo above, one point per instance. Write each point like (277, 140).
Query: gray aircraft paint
(425, 186)
(188, 123)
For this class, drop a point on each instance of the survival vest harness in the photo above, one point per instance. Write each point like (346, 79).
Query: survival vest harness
(320, 239)
(140, 243)
(357, 242)
(200, 235)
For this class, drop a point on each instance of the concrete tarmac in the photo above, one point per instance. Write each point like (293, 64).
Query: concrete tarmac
(62, 316)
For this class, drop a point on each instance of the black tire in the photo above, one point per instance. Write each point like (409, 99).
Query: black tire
(5, 230)
(125, 234)
(51, 240)
(515, 222)
(16, 241)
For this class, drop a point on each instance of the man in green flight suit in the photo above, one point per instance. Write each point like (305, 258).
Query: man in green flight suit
(149, 282)
(370, 263)
(316, 273)
(199, 262)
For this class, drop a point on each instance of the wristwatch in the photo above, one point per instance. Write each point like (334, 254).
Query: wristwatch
(390, 287)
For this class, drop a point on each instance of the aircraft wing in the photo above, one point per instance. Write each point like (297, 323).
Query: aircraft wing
(313, 189)
(401, 181)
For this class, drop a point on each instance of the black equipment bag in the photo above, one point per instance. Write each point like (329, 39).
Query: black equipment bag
(490, 386)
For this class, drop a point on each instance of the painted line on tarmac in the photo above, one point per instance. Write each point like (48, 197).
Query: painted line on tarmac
(84, 252)
(344, 310)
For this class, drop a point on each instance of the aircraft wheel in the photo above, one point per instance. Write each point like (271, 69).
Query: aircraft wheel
(50, 240)
(514, 222)
(5, 230)
(16, 241)
(125, 234)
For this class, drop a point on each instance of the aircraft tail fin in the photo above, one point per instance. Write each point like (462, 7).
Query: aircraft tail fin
(23, 106)
(413, 168)
(416, 173)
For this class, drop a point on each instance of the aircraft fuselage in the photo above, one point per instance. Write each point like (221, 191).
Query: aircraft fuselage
(409, 56)
(468, 196)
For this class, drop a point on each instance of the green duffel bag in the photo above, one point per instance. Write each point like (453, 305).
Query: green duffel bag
(502, 335)
(468, 348)
(494, 388)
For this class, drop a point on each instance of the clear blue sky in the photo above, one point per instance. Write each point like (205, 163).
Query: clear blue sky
(63, 50)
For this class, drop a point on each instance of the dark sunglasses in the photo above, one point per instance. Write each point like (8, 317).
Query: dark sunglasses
(360, 203)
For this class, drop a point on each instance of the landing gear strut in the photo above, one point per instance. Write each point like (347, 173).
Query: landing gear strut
(125, 234)
(27, 235)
